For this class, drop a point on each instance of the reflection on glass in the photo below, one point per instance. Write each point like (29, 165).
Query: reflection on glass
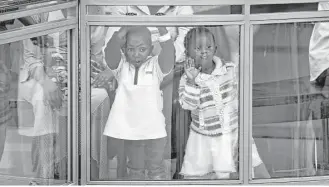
(290, 125)
(37, 18)
(14, 5)
(164, 10)
(33, 121)
(272, 8)
(146, 118)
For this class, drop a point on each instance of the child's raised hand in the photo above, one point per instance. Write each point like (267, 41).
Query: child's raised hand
(123, 32)
(190, 70)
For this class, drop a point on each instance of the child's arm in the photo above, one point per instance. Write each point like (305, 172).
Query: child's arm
(167, 54)
(182, 31)
(189, 94)
(113, 48)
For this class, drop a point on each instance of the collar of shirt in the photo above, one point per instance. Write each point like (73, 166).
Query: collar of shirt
(144, 66)
(220, 69)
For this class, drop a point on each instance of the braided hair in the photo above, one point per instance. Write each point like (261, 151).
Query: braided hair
(193, 33)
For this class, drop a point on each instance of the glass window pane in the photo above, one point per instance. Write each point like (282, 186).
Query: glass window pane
(290, 125)
(149, 120)
(37, 18)
(34, 111)
(165, 10)
(15, 5)
(273, 8)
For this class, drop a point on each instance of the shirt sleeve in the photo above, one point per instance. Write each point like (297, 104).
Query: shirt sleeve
(189, 94)
(182, 31)
(117, 72)
(319, 46)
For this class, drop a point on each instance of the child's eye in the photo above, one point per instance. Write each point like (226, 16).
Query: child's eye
(142, 49)
(209, 47)
(130, 49)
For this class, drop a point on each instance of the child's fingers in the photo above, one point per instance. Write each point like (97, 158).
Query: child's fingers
(189, 62)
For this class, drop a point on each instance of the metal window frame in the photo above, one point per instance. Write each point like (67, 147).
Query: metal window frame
(246, 20)
(70, 26)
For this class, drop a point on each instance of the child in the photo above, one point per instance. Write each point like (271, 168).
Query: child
(209, 88)
(136, 114)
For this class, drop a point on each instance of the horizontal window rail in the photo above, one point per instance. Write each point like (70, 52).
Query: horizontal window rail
(37, 10)
(187, 20)
(163, 2)
(37, 30)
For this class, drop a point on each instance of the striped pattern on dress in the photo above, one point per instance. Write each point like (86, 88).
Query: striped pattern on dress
(213, 101)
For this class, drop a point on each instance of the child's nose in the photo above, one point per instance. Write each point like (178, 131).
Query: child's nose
(204, 51)
(136, 53)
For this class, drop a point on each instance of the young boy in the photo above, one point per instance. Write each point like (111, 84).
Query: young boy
(136, 115)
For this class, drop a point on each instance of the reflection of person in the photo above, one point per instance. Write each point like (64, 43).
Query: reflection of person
(209, 88)
(6, 65)
(136, 114)
(319, 53)
(5, 79)
(36, 87)
(5, 109)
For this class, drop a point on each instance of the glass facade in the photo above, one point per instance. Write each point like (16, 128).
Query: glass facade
(113, 153)
(289, 109)
(157, 92)
(37, 78)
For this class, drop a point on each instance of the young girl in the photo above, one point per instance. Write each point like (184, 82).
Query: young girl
(209, 88)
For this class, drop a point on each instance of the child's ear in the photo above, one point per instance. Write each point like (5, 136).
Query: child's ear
(215, 51)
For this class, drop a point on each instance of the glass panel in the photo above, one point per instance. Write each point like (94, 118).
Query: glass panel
(34, 111)
(290, 125)
(272, 8)
(165, 10)
(37, 18)
(15, 5)
(146, 121)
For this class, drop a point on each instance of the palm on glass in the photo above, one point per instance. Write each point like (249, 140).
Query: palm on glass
(191, 70)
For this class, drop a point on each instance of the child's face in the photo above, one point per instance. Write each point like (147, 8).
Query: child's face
(202, 49)
(138, 48)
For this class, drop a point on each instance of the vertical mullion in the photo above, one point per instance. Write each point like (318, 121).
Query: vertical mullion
(88, 102)
(75, 103)
(84, 95)
(70, 98)
(247, 95)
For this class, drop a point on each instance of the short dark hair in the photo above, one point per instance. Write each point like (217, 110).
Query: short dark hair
(193, 33)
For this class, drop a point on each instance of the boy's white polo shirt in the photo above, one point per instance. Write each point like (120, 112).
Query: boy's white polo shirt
(150, 124)
(149, 69)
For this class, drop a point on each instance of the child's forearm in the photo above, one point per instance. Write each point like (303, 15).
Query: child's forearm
(113, 52)
(167, 56)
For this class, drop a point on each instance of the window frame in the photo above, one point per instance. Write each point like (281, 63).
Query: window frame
(246, 20)
(71, 27)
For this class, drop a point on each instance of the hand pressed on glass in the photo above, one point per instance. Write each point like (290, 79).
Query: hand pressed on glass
(103, 78)
(191, 70)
